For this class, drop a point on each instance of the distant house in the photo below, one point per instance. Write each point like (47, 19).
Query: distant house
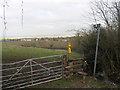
(37, 39)
(56, 39)
(30, 39)
(26, 39)
(11, 39)
(62, 39)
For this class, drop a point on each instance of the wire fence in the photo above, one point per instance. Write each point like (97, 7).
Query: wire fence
(31, 72)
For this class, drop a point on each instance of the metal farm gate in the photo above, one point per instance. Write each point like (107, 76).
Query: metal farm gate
(32, 72)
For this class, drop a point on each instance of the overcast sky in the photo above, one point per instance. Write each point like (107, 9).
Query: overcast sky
(45, 17)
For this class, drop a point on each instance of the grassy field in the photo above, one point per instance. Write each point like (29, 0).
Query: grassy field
(76, 82)
(39, 44)
(12, 53)
(15, 53)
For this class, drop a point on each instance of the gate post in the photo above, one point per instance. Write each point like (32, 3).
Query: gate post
(64, 64)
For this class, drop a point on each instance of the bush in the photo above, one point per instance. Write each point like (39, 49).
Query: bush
(108, 53)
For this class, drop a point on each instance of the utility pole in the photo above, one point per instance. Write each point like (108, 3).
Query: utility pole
(4, 19)
(22, 14)
(96, 26)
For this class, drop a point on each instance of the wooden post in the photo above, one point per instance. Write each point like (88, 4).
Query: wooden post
(64, 64)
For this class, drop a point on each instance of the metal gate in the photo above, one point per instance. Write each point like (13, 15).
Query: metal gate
(31, 72)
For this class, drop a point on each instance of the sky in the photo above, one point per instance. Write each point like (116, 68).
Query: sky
(45, 17)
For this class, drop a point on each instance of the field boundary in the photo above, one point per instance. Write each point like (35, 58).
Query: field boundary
(35, 71)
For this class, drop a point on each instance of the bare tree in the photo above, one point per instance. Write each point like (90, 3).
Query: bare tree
(109, 12)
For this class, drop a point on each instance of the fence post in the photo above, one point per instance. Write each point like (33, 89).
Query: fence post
(64, 64)
(31, 70)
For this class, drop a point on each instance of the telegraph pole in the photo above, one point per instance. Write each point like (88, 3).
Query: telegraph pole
(22, 14)
(4, 19)
(96, 26)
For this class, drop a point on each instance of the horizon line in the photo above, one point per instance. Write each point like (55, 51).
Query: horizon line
(37, 37)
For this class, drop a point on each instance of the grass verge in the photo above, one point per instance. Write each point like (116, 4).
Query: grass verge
(75, 82)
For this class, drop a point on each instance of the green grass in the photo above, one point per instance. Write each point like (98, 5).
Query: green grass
(75, 82)
(39, 44)
(15, 53)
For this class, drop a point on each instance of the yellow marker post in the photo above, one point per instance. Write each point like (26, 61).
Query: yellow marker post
(69, 48)
(69, 44)
(69, 52)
